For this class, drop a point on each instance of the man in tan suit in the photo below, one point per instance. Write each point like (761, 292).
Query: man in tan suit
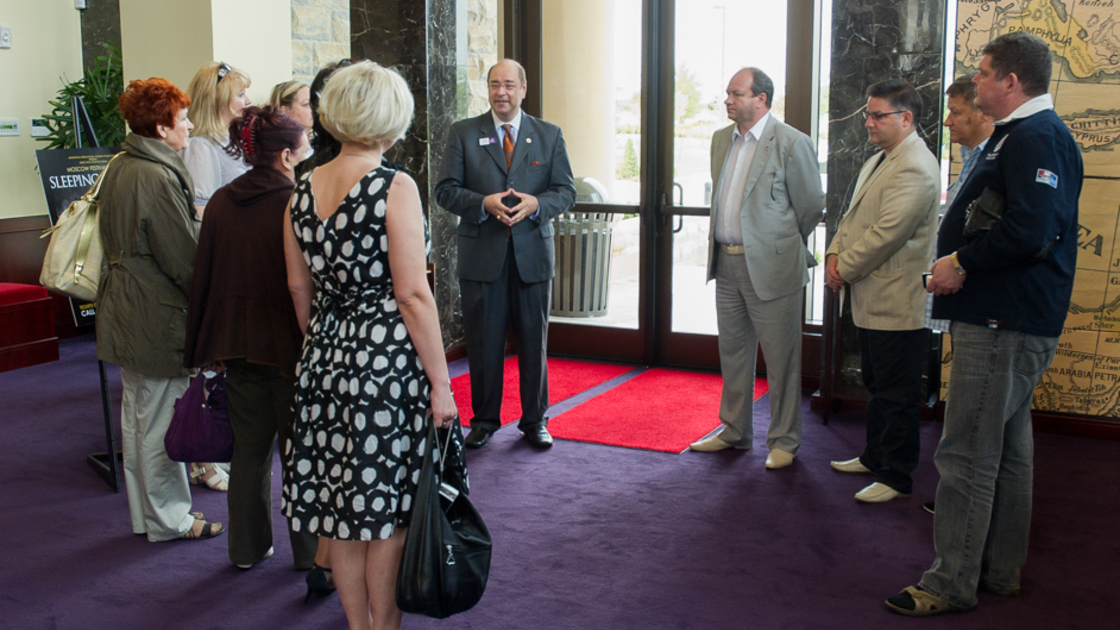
(883, 244)
(768, 200)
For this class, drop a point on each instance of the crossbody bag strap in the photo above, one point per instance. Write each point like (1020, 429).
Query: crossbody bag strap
(96, 189)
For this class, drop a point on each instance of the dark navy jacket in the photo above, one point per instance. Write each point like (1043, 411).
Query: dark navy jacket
(1035, 164)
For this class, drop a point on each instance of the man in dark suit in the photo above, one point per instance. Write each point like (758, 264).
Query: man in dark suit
(506, 175)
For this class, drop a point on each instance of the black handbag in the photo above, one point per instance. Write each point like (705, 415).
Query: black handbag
(446, 557)
(987, 210)
(984, 212)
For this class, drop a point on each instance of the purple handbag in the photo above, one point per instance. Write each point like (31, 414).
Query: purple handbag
(200, 430)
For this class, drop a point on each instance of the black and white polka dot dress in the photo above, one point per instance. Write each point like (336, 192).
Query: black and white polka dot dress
(361, 393)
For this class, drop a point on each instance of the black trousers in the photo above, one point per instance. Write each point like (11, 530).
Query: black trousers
(260, 408)
(489, 309)
(893, 362)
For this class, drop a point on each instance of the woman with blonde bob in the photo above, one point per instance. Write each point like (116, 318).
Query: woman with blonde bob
(373, 366)
(218, 96)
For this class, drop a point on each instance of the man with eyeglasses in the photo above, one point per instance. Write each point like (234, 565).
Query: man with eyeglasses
(882, 245)
(1006, 289)
(768, 201)
(506, 175)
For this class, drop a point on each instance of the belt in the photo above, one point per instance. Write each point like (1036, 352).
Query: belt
(731, 250)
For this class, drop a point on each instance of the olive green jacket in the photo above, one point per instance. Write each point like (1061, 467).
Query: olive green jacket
(149, 231)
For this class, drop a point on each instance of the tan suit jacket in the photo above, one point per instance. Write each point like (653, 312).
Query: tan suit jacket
(885, 239)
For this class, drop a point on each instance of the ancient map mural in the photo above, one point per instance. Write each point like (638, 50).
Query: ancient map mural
(1084, 36)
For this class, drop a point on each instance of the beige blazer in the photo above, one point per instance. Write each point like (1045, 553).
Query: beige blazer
(782, 204)
(885, 239)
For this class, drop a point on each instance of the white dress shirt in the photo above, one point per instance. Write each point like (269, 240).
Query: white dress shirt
(733, 182)
(498, 124)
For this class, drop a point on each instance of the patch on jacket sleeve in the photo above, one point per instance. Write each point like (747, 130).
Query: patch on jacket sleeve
(1044, 176)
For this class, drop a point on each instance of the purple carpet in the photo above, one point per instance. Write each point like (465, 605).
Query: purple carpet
(585, 536)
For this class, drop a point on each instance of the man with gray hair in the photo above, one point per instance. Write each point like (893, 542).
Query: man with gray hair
(1005, 285)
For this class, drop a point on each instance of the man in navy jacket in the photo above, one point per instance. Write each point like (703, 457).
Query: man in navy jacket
(1006, 291)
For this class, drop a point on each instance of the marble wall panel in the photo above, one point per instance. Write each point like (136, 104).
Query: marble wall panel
(872, 41)
(101, 24)
(426, 41)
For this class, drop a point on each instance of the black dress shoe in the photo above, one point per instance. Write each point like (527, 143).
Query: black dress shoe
(478, 437)
(538, 436)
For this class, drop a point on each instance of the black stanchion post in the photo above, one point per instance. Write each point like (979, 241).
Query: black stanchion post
(104, 464)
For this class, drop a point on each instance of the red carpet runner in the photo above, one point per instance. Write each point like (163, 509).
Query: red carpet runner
(566, 378)
(658, 410)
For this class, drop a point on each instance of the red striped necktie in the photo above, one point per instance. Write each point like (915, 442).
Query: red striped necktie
(507, 145)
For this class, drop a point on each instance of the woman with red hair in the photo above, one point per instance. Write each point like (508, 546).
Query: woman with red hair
(149, 231)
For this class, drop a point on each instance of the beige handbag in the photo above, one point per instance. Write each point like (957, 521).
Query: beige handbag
(72, 265)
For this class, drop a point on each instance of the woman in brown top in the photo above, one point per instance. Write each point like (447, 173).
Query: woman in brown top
(241, 318)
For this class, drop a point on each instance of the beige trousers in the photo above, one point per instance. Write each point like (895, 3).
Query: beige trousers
(159, 496)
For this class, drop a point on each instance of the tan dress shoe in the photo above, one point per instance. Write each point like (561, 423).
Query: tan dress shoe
(713, 443)
(779, 459)
(878, 493)
(850, 466)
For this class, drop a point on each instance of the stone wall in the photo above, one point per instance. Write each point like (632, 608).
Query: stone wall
(482, 51)
(320, 35)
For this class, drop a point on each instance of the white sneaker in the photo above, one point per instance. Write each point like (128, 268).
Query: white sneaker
(878, 493)
(712, 444)
(850, 466)
(267, 555)
(779, 459)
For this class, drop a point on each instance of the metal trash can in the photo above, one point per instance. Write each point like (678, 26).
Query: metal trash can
(583, 256)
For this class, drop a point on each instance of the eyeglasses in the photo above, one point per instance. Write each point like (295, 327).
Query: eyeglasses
(879, 116)
(223, 70)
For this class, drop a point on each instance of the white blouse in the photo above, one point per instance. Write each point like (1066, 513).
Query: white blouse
(210, 167)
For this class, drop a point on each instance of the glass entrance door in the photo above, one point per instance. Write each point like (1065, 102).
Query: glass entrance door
(638, 88)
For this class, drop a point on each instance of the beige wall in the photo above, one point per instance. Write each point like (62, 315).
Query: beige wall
(255, 36)
(173, 38)
(578, 80)
(46, 45)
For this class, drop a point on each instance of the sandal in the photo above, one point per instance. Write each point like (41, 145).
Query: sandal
(204, 530)
(914, 601)
(211, 476)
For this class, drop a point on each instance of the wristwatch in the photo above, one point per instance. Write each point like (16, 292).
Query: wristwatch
(957, 264)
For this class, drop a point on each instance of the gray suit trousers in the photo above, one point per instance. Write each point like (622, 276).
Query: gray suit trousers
(744, 322)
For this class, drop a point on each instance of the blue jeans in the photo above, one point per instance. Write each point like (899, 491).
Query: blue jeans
(982, 524)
